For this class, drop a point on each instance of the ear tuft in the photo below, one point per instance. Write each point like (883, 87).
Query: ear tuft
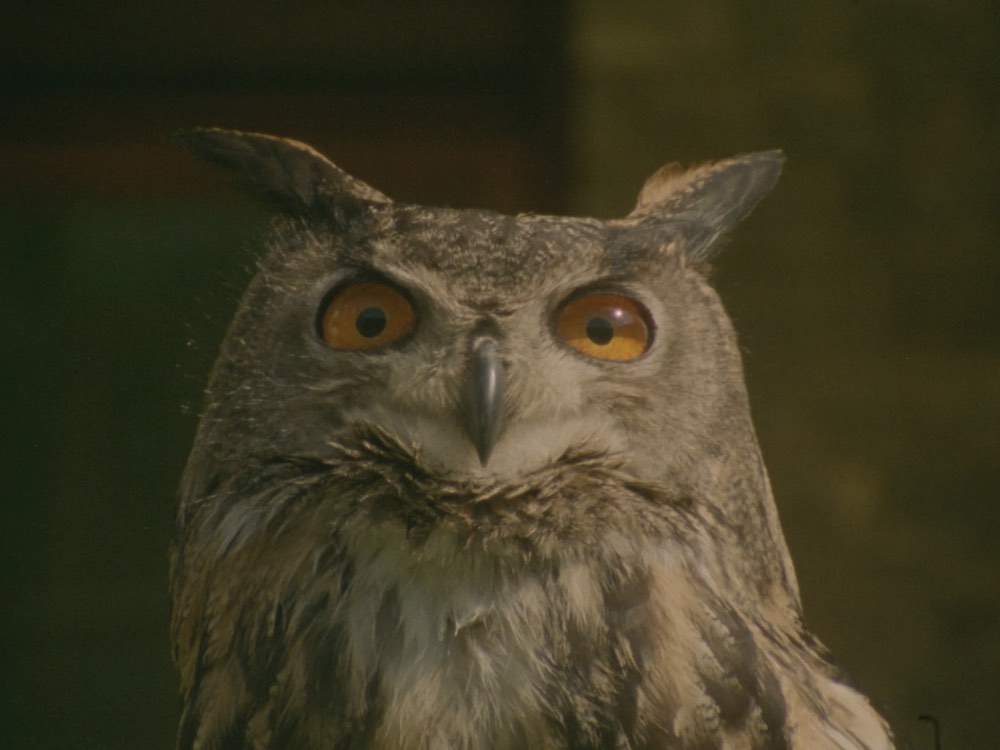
(289, 174)
(705, 202)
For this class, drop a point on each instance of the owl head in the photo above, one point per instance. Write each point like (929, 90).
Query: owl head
(488, 347)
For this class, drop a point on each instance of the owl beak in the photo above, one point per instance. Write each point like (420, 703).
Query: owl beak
(484, 397)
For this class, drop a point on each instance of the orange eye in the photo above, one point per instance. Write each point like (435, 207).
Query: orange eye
(366, 315)
(605, 326)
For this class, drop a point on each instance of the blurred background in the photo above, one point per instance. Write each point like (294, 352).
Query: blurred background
(866, 289)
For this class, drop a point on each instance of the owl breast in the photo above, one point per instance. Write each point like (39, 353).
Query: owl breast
(498, 616)
(457, 638)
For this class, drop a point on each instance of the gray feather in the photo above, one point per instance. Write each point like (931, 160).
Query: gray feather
(289, 174)
(704, 203)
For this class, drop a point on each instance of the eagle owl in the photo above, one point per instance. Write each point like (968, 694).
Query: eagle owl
(466, 481)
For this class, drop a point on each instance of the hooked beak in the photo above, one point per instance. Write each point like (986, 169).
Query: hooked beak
(484, 397)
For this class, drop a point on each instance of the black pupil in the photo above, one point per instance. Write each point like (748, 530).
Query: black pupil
(600, 330)
(370, 322)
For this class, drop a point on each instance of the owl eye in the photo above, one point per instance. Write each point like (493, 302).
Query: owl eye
(605, 326)
(366, 315)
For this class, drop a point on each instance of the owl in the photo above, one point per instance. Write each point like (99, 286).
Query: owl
(472, 481)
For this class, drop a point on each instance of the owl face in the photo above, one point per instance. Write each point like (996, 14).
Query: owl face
(486, 346)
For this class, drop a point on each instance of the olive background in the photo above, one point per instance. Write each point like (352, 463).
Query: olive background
(866, 288)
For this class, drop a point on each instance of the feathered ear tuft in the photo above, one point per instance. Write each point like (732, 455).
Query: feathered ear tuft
(288, 174)
(703, 203)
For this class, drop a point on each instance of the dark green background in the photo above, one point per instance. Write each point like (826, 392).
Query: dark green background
(866, 289)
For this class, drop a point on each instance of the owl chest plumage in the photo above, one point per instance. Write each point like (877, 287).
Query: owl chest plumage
(500, 654)
(460, 650)
(375, 608)
(387, 611)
